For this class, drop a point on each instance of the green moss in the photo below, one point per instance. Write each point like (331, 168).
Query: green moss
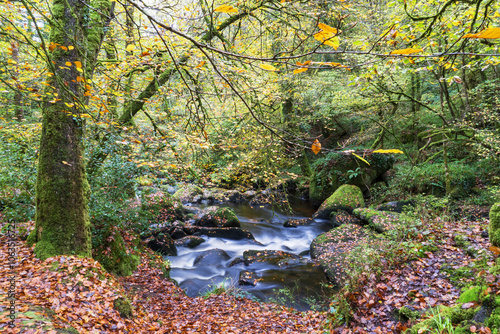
(442, 315)
(347, 198)
(112, 253)
(408, 314)
(474, 293)
(123, 306)
(494, 228)
(228, 217)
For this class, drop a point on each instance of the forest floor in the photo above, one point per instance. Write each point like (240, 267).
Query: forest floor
(67, 294)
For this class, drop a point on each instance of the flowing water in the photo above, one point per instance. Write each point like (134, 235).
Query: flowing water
(304, 280)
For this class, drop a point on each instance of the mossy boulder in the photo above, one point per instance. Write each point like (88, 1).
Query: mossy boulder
(189, 193)
(494, 228)
(346, 198)
(218, 217)
(190, 241)
(160, 241)
(338, 169)
(111, 252)
(123, 306)
(161, 207)
(336, 250)
(378, 221)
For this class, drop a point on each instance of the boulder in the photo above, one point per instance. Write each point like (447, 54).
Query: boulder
(274, 257)
(211, 257)
(233, 233)
(190, 241)
(177, 233)
(162, 243)
(395, 206)
(379, 221)
(346, 198)
(494, 227)
(298, 222)
(333, 250)
(248, 277)
(341, 217)
(218, 217)
(189, 193)
(338, 169)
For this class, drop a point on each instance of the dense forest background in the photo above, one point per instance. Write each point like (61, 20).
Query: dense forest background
(104, 103)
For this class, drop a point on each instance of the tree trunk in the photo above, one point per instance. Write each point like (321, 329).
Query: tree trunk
(62, 190)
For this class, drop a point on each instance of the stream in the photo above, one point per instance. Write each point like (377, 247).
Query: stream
(297, 285)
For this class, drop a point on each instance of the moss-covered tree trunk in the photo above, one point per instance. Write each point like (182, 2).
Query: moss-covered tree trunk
(62, 191)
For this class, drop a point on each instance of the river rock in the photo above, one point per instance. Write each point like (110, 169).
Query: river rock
(235, 261)
(190, 241)
(341, 217)
(298, 222)
(396, 206)
(218, 217)
(248, 277)
(189, 193)
(177, 233)
(346, 198)
(274, 257)
(233, 233)
(162, 243)
(334, 250)
(211, 257)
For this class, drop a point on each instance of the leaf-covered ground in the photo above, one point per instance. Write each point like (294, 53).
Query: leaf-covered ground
(66, 294)
(73, 295)
(434, 279)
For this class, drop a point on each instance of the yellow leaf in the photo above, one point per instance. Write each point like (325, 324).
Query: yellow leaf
(490, 33)
(79, 69)
(327, 28)
(316, 146)
(68, 63)
(268, 67)
(360, 158)
(300, 70)
(71, 47)
(226, 9)
(395, 151)
(304, 63)
(406, 51)
(327, 38)
(130, 47)
(64, 162)
(78, 64)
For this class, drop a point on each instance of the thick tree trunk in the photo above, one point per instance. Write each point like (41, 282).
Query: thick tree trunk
(62, 190)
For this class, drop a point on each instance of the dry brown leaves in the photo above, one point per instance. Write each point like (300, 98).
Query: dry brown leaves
(67, 291)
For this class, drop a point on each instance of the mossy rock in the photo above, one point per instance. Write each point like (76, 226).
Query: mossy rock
(494, 228)
(473, 294)
(111, 252)
(188, 193)
(337, 169)
(218, 217)
(334, 250)
(346, 198)
(123, 306)
(379, 221)
(275, 257)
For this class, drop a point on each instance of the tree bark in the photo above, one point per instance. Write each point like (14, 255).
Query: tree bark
(62, 191)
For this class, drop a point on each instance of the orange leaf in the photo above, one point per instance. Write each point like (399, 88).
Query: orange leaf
(495, 250)
(316, 146)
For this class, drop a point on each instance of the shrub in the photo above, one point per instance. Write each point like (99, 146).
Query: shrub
(430, 179)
